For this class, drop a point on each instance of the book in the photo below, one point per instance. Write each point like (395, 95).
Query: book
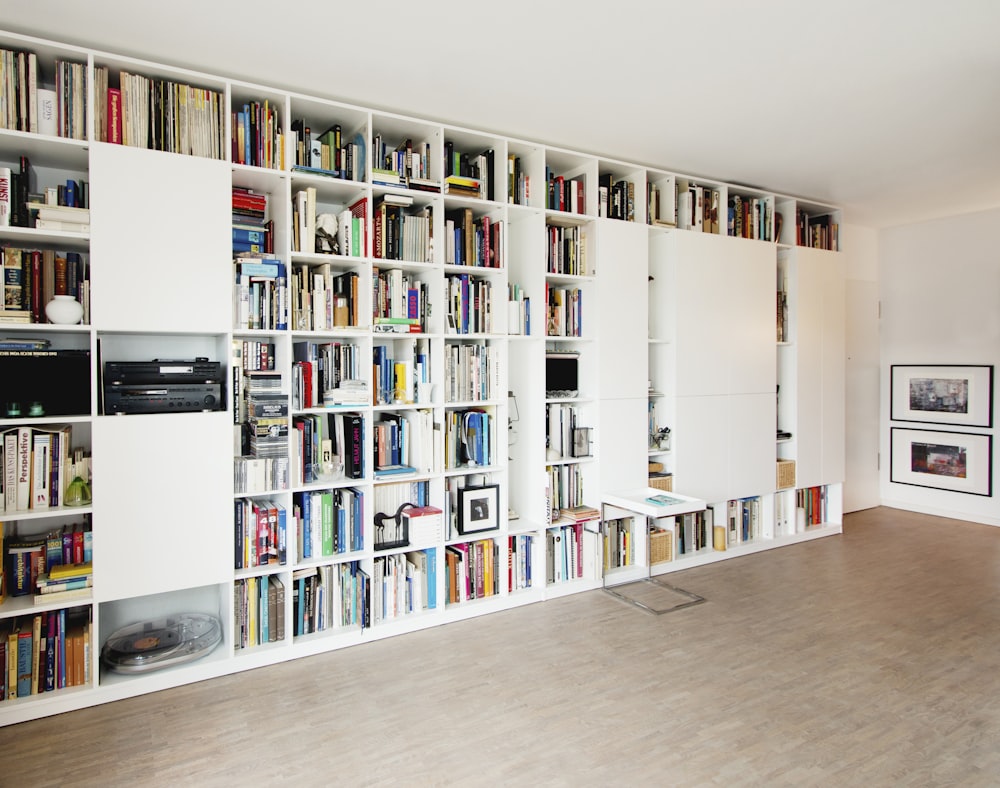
(6, 197)
(664, 500)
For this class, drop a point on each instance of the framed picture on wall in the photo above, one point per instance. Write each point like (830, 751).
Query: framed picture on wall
(478, 509)
(954, 461)
(943, 394)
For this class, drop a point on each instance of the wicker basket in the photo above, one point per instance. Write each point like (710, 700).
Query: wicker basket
(665, 483)
(786, 474)
(660, 546)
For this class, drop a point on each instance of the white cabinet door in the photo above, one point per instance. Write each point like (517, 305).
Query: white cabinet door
(622, 251)
(725, 297)
(819, 349)
(163, 503)
(162, 244)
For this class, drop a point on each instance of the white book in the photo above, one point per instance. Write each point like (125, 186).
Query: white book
(5, 196)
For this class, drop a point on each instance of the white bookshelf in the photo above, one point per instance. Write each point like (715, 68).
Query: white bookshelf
(701, 332)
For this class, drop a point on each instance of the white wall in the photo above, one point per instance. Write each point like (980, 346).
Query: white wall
(861, 480)
(940, 293)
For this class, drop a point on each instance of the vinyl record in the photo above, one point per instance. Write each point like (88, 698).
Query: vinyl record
(151, 645)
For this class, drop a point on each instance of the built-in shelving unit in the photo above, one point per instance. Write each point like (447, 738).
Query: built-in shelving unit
(407, 313)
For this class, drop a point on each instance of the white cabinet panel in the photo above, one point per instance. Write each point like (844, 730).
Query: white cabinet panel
(162, 241)
(701, 442)
(623, 304)
(163, 504)
(834, 375)
(751, 420)
(725, 291)
(622, 429)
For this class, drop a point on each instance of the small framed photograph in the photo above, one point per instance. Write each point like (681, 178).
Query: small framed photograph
(943, 394)
(478, 509)
(955, 461)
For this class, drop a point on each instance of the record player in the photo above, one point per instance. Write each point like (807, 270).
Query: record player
(161, 643)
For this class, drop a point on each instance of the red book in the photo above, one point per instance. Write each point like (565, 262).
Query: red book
(37, 307)
(114, 116)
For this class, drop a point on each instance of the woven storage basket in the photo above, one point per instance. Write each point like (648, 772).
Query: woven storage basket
(786, 474)
(665, 483)
(660, 546)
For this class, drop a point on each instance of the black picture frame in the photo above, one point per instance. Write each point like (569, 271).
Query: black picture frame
(957, 395)
(942, 460)
(478, 509)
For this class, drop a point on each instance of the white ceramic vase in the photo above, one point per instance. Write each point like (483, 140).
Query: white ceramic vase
(64, 310)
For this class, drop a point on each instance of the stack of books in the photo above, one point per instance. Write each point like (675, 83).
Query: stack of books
(64, 581)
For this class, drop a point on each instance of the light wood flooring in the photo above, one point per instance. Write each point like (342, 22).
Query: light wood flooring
(867, 659)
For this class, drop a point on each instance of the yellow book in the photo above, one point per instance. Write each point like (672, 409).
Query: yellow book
(61, 571)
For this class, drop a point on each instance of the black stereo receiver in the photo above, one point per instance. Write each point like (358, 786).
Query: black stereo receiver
(173, 398)
(199, 370)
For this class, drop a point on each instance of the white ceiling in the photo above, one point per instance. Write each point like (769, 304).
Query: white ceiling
(887, 107)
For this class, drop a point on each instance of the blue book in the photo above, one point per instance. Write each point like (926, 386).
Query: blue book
(240, 246)
(268, 269)
(71, 195)
(282, 534)
(431, 578)
(24, 649)
(249, 236)
(307, 519)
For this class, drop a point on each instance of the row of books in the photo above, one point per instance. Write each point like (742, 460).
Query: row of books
(565, 194)
(28, 104)
(472, 571)
(328, 522)
(566, 438)
(405, 443)
(253, 231)
(47, 564)
(471, 372)
(519, 563)
(698, 207)
(564, 311)
(31, 277)
(743, 520)
(326, 152)
(469, 175)
(63, 207)
(693, 532)
(470, 437)
(322, 373)
(564, 553)
(750, 217)
(566, 250)
(518, 182)
(342, 232)
(518, 310)
(401, 234)
(818, 232)
(401, 379)
(470, 304)
(811, 507)
(260, 294)
(619, 542)
(323, 298)
(615, 198)
(45, 652)
(38, 466)
(257, 138)
(403, 584)
(407, 165)
(400, 303)
(259, 609)
(159, 114)
(260, 533)
(564, 488)
(327, 446)
(471, 240)
(330, 597)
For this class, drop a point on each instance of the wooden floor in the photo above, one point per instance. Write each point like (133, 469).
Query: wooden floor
(867, 659)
